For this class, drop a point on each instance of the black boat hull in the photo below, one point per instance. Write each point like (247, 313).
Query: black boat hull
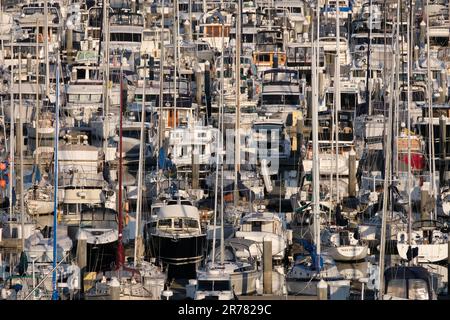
(177, 251)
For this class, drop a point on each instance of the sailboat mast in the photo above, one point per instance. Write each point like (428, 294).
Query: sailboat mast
(221, 131)
(408, 112)
(140, 170)
(337, 94)
(120, 252)
(106, 67)
(47, 66)
(11, 139)
(315, 129)
(368, 71)
(20, 150)
(36, 159)
(175, 61)
(55, 179)
(237, 158)
(430, 116)
(161, 93)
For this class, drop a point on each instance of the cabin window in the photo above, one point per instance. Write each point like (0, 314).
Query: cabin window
(84, 98)
(256, 226)
(165, 223)
(126, 37)
(417, 289)
(248, 38)
(264, 58)
(359, 73)
(213, 31)
(291, 100)
(136, 134)
(204, 285)
(397, 288)
(272, 99)
(190, 223)
(221, 285)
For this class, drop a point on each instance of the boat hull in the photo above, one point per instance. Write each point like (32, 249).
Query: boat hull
(349, 253)
(338, 288)
(101, 257)
(39, 207)
(428, 253)
(177, 251)
(244, 282)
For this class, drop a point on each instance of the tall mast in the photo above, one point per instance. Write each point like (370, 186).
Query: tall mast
(55, 203)
(11, 138)
(337, 93)
(430, 113)
(161, 93)
(140, 170)
(20, 149)
(120, 251)
(47, 66)
(106, 67)
(237, 164)
(394, 165)
(408, 112)
(221, 132)
(315, 127)
(36, 159)
(218, 158)
(175, 61)
(368, 75)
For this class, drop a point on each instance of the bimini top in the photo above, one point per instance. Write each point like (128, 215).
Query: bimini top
(260, 216)
(178, 211)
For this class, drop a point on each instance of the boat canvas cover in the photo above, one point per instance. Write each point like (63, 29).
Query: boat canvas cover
(77, 153)
(406, 273)
(176, 210)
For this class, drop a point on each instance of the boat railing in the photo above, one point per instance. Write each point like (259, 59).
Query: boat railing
(48, 274)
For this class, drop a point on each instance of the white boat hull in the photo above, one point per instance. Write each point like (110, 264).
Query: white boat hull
(244, 282)
(349, 253)
(428, 253)
(39, 207)
(338, 289)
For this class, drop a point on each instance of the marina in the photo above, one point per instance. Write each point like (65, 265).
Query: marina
(224, 150)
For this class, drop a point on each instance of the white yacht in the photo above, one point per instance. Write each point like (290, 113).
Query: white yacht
(264, 226)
